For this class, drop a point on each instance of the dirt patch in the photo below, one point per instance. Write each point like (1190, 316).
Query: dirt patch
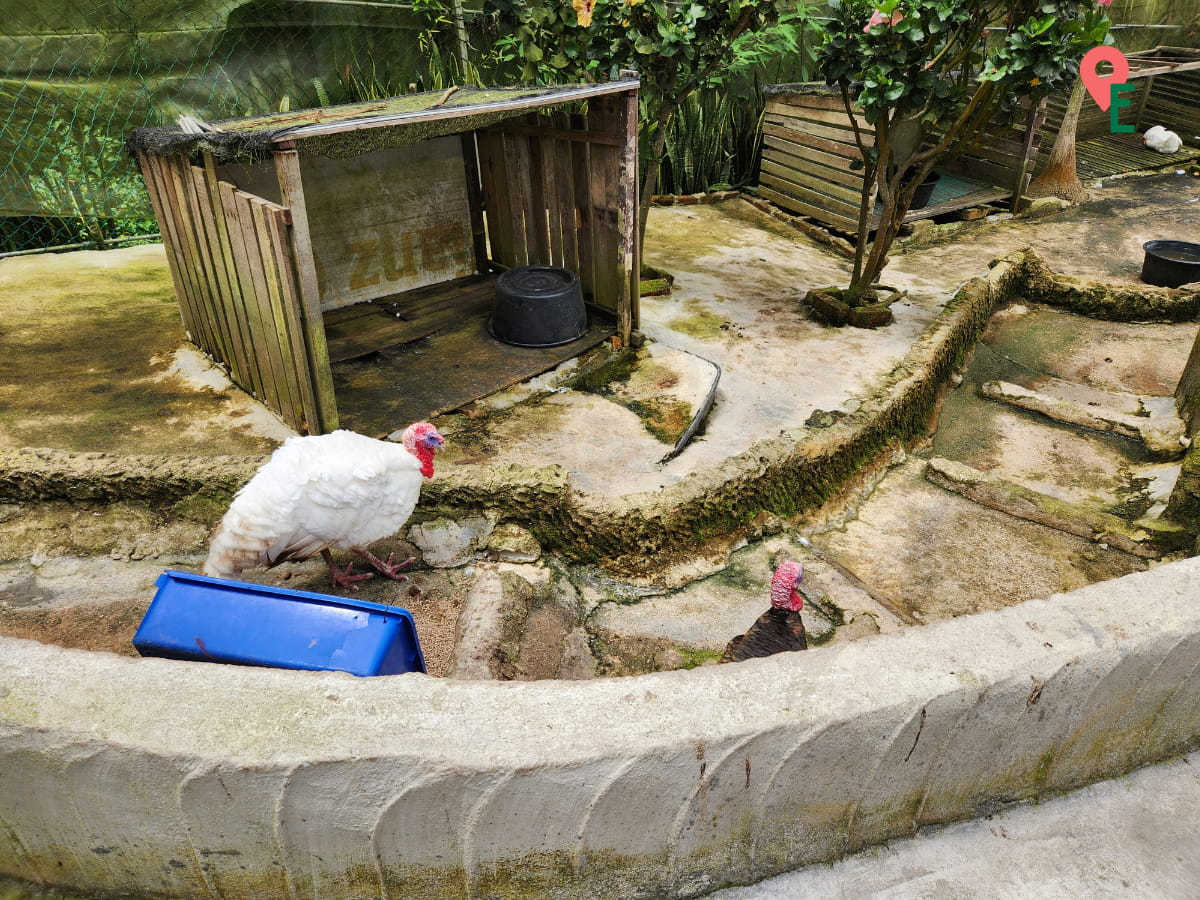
(108, 627)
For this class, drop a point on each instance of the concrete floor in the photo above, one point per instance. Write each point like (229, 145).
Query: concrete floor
(1134, 837)
(125, 382)
(739, 279)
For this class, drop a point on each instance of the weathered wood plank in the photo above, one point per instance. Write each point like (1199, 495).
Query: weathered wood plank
(306, 290)
(508, 244)
(206, 338)
(257, 330)
(783, 199)
(835, 148)
(836, 205)
(584, 231)
(603, 161)
(814, 179)
(810, 101)
(305, 374)
(552, 190)
(225, 294)
(966, 201)
(533, 182)
(498, 250)
(236, 301)
(207, 277)
(277, 392)
(837, 117)
(564, 176)
(800, 158)
(163, 202)
(837, 134)
(293, 412)
(559, 133)
(379, 325)
(475, 203)
(388, 220)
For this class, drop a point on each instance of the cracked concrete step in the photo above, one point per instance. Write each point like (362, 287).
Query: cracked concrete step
(1165, 436)
(1146, 537)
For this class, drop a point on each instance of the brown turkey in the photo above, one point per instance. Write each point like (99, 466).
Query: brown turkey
(779, 629)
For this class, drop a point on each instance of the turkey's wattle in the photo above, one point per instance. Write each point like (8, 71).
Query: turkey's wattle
(780, 628)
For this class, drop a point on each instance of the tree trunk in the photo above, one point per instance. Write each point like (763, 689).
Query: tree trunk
(1059, 178)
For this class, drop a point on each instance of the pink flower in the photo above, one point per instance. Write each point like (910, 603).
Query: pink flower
(1104, 2)
(878, 18)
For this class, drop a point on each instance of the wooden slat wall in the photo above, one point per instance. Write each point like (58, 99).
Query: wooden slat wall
(232, 260)
(1174, 103)
(808, 145)
(558, 191)
(1093, 121)
(1004, 156)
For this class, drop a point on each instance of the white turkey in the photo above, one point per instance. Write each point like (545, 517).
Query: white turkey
(1158, 138)
(340, 490)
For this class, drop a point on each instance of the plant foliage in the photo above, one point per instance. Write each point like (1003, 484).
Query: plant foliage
(677, 48)
(929, 76)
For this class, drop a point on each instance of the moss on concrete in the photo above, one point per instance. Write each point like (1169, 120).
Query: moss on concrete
(1112, 302)
(699, 322)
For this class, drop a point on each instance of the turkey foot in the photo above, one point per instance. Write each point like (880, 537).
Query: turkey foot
(342, 577)
(387, 568)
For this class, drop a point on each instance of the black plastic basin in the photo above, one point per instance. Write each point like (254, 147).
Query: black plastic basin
(538, 306)
(924, 191)
(1170, 263)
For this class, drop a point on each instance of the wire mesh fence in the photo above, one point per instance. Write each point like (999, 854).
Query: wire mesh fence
(76, 76)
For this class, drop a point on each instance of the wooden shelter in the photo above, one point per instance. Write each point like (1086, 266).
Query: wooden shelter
(1166, 92)
(303, 239)
(808, 145)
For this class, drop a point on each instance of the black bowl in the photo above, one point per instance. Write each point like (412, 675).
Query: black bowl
(1170, 263)
(538, 306)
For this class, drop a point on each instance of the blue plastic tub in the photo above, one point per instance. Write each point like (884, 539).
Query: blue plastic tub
(217, 620)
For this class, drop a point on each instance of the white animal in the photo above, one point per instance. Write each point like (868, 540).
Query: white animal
(340, 490)
(1158, 138)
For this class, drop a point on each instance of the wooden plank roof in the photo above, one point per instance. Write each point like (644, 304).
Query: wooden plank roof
(426, 114)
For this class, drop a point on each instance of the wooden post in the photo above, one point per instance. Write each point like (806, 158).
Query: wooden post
(629, 298)
(1141, 107)
(291, 190)
(1033, 124)
(475, 202)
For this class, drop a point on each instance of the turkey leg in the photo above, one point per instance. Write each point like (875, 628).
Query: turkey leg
(342, 577)
(387, 568)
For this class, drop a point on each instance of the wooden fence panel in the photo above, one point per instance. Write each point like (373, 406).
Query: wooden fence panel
(561, 190)
(157, 186)
(809, 144)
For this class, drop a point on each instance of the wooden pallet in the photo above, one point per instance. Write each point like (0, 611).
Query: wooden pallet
(1114, 154)
(363, 328)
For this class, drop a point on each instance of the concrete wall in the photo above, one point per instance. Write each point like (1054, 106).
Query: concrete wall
(190, 779)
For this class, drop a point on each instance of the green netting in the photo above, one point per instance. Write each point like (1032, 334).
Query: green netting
(78, 76)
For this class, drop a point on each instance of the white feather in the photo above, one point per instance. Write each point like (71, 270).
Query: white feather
(333, 491)
(1162, 140)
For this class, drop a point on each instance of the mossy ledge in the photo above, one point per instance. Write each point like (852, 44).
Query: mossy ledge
(635, 534)
(1097, 300)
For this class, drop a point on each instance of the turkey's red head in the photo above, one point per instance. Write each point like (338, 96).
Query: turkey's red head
(785, 586)
(423, 441)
